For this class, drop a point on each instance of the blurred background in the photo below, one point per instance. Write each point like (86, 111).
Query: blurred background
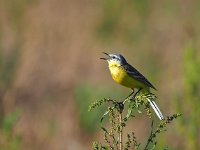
(50, 69)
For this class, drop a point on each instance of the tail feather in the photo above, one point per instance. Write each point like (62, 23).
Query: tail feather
(156, 109)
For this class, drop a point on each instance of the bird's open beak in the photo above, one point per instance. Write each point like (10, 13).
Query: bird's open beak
(107, 55)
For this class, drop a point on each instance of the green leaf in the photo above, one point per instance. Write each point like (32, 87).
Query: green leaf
(129, 113)
(106, 113)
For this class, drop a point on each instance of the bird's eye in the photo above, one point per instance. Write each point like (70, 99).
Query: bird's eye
(114, 57)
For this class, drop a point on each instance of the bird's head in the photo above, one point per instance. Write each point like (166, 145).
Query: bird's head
(116, 59)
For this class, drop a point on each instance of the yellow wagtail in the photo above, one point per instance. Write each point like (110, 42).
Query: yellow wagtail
(126, 75)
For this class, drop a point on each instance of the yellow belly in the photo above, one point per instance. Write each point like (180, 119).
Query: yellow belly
(120, 76)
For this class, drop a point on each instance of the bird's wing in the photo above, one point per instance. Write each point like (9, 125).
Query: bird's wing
(137, 75)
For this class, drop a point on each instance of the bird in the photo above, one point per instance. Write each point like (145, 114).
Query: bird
(126, 75)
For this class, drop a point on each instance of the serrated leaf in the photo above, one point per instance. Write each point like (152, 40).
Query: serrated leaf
(129, 113)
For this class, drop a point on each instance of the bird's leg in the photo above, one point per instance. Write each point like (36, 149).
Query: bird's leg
(128, 97)
(130, 94)
(133, 97)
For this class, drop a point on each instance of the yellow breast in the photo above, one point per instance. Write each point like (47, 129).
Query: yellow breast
(120, 76)
(117, 73)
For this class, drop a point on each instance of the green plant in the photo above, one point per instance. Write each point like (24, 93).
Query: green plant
(9, 140)
(188, 103)
(118, 118)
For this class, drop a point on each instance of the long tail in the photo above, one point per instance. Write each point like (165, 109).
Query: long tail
(156, 109)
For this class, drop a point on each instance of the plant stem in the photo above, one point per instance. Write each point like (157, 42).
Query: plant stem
(120, 132)
(150, 137)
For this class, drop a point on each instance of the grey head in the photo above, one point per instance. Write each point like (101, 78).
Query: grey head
(115, 57)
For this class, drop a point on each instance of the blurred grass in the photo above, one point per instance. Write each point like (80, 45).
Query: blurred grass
(16, 11)
(114, 25)
(189, 102)
(9, 63)
(8, 66)
(8, 139)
